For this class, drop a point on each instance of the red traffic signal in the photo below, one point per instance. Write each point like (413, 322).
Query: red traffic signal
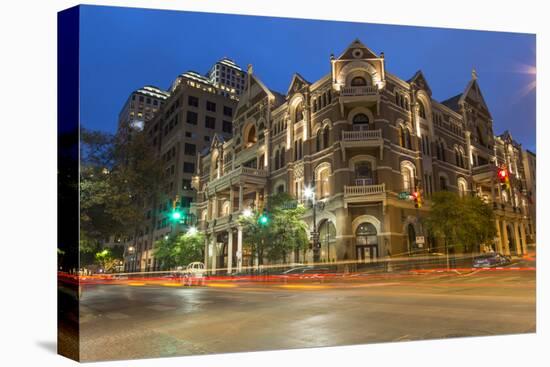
(502, 174)
(417, 197)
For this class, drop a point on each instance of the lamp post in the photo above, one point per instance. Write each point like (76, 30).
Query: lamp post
(309, 193)
(131, 252)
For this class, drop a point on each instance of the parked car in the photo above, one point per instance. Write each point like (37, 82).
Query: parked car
(490, 260)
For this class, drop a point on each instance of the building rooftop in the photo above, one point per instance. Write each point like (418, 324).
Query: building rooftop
(153, 91)
(228, 62)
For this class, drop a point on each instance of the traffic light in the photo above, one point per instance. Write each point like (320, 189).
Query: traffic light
(263, 219)
(177, 213)
(503, 176)
(417, 197)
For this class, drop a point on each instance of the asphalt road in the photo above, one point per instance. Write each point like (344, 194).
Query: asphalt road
(144, 321)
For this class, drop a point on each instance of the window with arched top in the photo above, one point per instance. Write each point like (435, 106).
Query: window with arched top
(276, 160)
(457, 157)
(299, 113)
(318, 141)
(323, 185)
(226, 208)
(407, 138)
(250, 136)
(421, 110)
(326, 137)
(407, 174)
(358, 81)
(462, 187)
(364, 174)
(360, 118)
(282, 157)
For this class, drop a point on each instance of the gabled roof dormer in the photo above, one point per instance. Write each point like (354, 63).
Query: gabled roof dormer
(297, 84)
(355, 59)
(420, 81)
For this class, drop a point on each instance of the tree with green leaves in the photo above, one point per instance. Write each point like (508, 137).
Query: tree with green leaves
(118, 179)
(283, 233)
(109, 259)
(179, 250)
(463, 223)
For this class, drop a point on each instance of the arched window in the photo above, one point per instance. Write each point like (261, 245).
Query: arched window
(323, 185)
(407, 173)
(364, 173)
(250, 136)
(225, 208)
(457, 157)
(299, 113)
(407, 138)
(324, 99)
(318, 140)
(402, 136)
(329, 96)
(282, 157)
(314, 105)
(358, 81)
(276, 159)
(462, 187)
(421, 110)
(360, 118)
(326, 137)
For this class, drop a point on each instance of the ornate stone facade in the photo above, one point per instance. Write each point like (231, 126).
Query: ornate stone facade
(363, 136)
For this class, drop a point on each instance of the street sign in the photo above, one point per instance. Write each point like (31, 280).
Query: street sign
(420, 240)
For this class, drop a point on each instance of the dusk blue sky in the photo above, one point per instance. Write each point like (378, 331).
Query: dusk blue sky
(122, 49)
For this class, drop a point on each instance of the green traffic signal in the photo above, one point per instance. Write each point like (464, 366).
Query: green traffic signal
(263, 219)
(176, 215)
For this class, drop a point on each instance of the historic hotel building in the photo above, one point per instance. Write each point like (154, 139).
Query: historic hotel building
(360, 135)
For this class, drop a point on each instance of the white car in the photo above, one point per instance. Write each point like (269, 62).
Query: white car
(194, 273)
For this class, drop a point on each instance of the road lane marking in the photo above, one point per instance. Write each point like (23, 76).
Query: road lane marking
(136, 284)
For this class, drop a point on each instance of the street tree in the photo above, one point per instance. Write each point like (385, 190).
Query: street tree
(463, 223)
(283, 232)
(108, 259)
(119, 177)
(179, 250)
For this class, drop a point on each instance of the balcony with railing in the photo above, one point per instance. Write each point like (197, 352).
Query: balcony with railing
(363, 138)
(238, 175)
(364, 193)
(360, 91)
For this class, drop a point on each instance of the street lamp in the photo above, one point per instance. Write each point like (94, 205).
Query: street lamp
(192, 231)
(309, 193)
(131, 250)
(247, 213)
